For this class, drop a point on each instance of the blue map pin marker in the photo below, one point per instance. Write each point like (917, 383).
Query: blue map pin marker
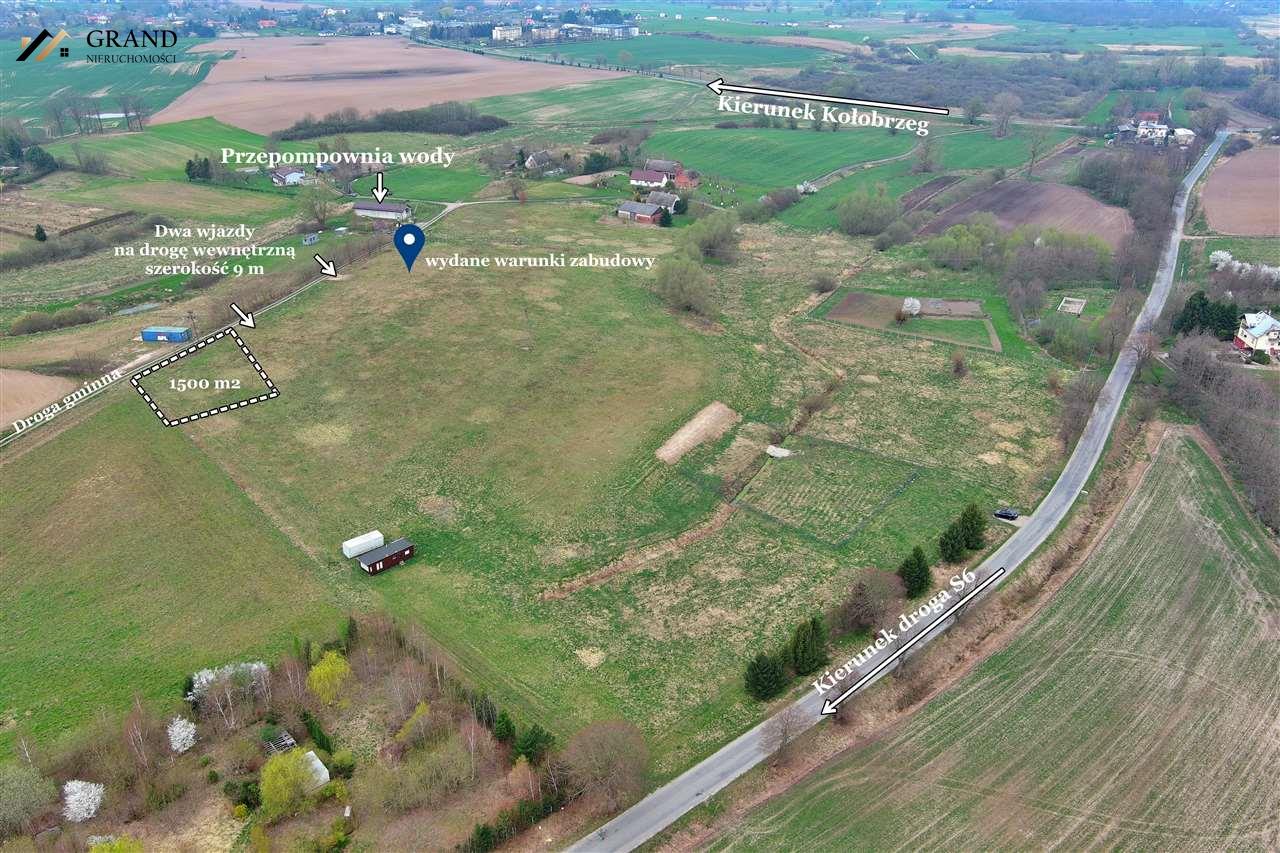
(409, 240)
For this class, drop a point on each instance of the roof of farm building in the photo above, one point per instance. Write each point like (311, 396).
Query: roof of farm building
(663, 199)
(639, 207)
(648, 176)
(668, 166)
(385, 207)
(368, 558)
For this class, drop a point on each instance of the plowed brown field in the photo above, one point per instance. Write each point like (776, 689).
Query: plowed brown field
(294, 76)
(1240, 196)
(1015, 203)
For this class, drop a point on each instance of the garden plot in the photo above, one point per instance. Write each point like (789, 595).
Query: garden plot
(826, 489)
(949, 321)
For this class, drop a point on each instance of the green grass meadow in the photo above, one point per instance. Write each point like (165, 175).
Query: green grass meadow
(132, 559)
(25, 88)
(677, 50)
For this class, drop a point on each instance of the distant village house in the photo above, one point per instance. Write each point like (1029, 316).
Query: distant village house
(661, 199)
(648, 179)
(394, 211)
(1259, 332)
(640, 211)
(290, 176)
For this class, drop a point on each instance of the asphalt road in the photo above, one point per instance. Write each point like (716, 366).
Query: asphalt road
(662, 807)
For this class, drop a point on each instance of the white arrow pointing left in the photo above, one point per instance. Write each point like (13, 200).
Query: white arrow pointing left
(245, 319)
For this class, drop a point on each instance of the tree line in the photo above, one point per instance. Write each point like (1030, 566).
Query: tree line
(452, 118)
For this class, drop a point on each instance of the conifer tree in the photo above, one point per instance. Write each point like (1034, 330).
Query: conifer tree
(951, 543)
(973, 525)
(808, 647)
(914, 572)
(765, 677)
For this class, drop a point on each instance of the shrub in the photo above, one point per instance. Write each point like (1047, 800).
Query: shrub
(317, 734)
(867, 211)
(23, 794)
(958, 365)
(81, 800)
(329, 677)
(533, 743)
(245, 793)
(343, 764)
(240, 812)
(212, 776)
(163, 791)
(1260, 357)
(40, 235)
(714, 236)
(823, 282)
(1236, 145)
(897, 234)
(684, 286)
(122, 844)
(755, 211)
(504, 730)
(182, 736)
(765, 677)
(31, 323)
(285, 781)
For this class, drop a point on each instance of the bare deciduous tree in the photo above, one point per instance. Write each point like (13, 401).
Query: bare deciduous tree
(782, 731)
(1003, 109)
(608, 760)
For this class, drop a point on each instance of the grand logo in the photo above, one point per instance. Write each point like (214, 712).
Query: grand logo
(29, 45)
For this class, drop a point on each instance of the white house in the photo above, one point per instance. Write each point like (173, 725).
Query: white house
(648, 179)
(1259, 333)
(507, 33)
(288, 176)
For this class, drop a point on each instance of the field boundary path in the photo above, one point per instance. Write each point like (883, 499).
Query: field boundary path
(659, 809)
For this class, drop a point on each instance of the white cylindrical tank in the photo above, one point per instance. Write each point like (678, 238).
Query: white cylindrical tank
(367, 542)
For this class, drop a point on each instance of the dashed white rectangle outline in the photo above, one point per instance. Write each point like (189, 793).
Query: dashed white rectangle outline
(244, 348)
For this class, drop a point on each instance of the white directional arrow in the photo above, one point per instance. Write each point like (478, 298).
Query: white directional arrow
(719, 86)
(829, 707)
(245, 319)
(327, 267)
(379, 192)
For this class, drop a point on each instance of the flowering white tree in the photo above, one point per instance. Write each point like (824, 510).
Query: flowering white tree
(182, 734)
(81, 800)
(911, 306)
(1222, 260)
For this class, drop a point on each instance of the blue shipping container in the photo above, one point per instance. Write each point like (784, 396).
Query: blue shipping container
(169, 334)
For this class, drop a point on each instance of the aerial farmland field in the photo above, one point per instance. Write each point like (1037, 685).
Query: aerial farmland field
(1138, 709)
(676, 51)
(526, 505)
(764, 159)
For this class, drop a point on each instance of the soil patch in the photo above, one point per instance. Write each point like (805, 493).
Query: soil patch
(295, 76)
(709, 424)
(23, 393)
(835, 45)
(1240, 196)
(1015, 203)
(923, 193)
